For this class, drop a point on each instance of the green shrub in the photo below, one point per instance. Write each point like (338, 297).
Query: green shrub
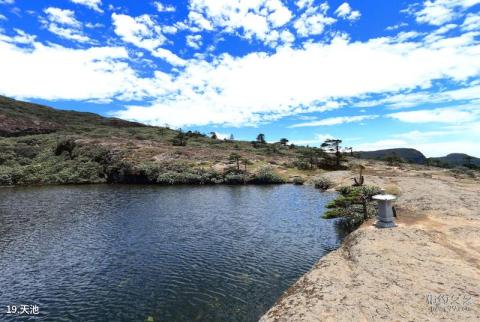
(322, 183)
(189, 176)
(5, 177)
(354, 205)
(298, 181)
(65, 145)
(233, 178)
(463, 171)
(350, 222)
(26, 151)
(6, 156)
(266, 175)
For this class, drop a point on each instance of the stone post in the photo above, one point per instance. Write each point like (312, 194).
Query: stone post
(385, 212)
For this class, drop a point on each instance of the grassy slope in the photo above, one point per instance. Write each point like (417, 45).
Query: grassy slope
(29, 135)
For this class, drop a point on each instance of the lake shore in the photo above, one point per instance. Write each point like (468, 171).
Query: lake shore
(426, 269)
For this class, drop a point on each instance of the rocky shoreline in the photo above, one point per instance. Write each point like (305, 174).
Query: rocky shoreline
(426, 269)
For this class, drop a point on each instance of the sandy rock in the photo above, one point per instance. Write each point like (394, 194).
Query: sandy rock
(426, 269)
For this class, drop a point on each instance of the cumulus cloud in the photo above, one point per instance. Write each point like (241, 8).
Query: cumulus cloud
(294, 81)
(439, 115)
(344, 11)
(421, 135)
(62, 22)
(287, 82)
(163, 8)
(92, 4)
(438, 12)
(140, 31)
(144, 33)
(194, 41)
(336, 121)
(260, 86)
(169, 57)
(397, 26)
(412, 99)
(472, 22)
(251, 19)
(316, 141)
(62, 16)
(313, 21)
(76, 74)
(301, 4)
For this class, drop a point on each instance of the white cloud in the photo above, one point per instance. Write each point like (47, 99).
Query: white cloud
(382, 144)
(68, 33)
(438, 12)
(313, 21)
(293, 81)
(407, 100)
(472, 22)
(145, 33)
(62, 22)
(344, 11)
(421, 135)
(7, 1)
(256, 18)
(169, 29)
(2, 17)
(56, 72)
(316, 141)
(289, 81)
(397, 26)
(62, 16)
(336, 121)
(301, 4)
(163, 8)
(439, 115)
(92, 4)
(169, 56)
(140, 31)
(194, 41)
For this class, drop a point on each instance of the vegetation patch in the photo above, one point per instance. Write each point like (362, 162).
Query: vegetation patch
(354, 205)
(322, 183)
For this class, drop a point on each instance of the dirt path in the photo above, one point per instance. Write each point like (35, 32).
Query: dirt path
(426, 269)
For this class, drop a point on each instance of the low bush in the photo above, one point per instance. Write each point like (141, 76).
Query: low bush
(266, 175)
(322, 183)
(463, 172)
(233, 178)
(353, 206)
(298, 181)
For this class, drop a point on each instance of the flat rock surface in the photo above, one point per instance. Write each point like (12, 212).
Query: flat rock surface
(426, 269)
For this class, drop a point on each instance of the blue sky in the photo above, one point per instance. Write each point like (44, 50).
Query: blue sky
(377, 74)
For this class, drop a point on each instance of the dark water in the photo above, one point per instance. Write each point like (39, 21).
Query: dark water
(126, 253)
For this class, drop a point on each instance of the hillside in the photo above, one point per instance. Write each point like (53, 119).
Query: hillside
(457, 159)
(19, 118)
(409, 155)
(42, 145)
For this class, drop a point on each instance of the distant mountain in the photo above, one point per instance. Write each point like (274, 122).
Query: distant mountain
(409, 155)
(457, 159)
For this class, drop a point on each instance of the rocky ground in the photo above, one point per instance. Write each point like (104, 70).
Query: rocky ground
(426, 269)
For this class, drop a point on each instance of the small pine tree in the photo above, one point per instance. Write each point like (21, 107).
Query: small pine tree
(261, 138)
(284, 141)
